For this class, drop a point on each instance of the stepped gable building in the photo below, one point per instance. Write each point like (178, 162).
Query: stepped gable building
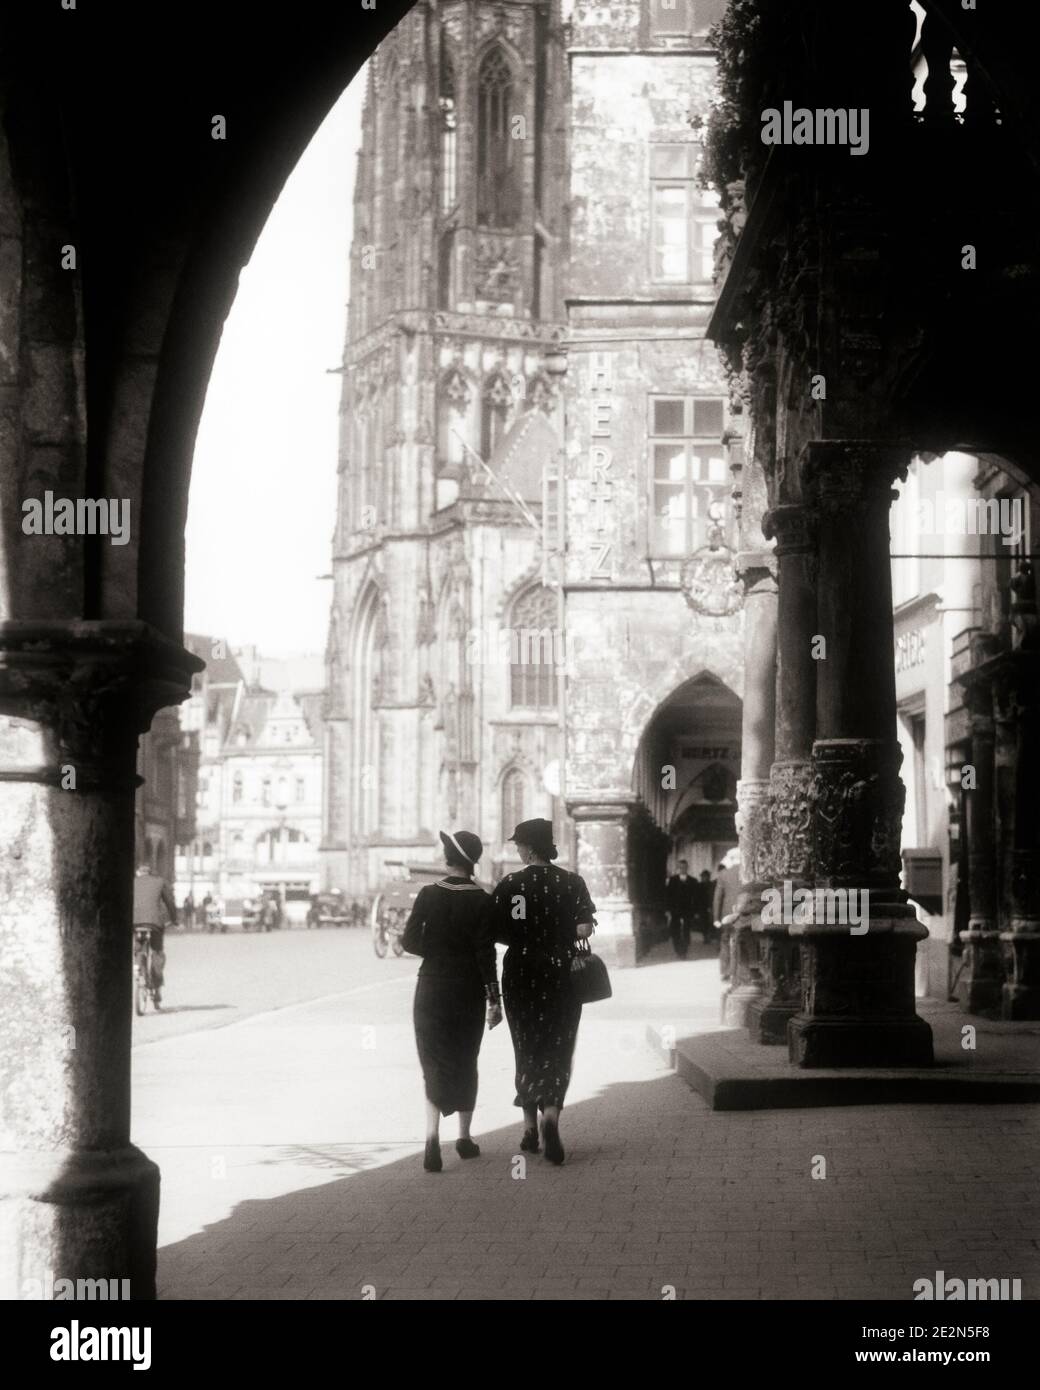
(530, 287)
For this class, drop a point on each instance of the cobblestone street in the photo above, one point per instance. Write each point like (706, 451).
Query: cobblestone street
(290, 1146)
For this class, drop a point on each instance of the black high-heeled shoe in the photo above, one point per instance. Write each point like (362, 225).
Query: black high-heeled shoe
(465, 1148)
(529, 1143)
(553, 1147)
(432, 1157)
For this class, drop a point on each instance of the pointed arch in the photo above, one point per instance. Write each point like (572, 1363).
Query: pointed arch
(512, 799)
(447, 109)
(498, 101)
(496, 399)
(364, 695)
(534, 649)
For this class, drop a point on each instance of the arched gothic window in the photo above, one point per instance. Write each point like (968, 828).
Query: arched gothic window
(498, 154)
(534, 633)
(512, 801)
(446, 103)
(495, 404)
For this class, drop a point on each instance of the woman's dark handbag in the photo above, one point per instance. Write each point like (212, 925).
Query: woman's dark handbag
(589, 979)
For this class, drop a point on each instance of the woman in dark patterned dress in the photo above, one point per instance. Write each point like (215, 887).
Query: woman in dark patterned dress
(448, 927)
(539, 913)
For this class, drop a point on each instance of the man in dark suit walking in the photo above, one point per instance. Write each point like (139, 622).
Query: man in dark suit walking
(681, 896)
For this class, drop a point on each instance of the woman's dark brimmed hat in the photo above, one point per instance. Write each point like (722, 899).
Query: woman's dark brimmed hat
(536, 834)
(463, 843)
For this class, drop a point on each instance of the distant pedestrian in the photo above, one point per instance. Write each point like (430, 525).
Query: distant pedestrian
(448, 926)
(268, 913)
(727, 890)
(682, 897)
(539, 913)
(705, 903)
(188, 913)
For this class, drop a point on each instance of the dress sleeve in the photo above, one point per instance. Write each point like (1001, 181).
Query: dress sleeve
(484, 947)
(584, 907)
(412, 938)
(497, 916)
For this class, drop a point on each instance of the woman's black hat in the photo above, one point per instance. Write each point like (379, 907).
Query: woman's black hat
(536, 834)
(463, 843)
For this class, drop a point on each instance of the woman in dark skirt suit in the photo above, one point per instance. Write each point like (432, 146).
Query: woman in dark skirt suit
(539, 913)
(448, 927)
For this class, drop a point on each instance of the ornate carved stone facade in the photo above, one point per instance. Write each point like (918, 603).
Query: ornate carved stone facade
(454, 308)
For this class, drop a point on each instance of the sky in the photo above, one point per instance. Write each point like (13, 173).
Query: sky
(262, 505)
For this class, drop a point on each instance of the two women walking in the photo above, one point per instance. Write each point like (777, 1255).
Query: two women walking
(539, 913)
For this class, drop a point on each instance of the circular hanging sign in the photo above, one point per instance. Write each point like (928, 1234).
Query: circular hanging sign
(710, 584)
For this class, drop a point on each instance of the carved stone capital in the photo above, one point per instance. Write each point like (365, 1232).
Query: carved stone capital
(79, 693)
(793, 526)
(857, 812)
(843, 476)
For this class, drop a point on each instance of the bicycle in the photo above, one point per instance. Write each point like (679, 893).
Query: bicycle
(143, 987)
(387, 929)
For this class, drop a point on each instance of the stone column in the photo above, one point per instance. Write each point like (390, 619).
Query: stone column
(76, 1198)
(756, 755)
(1020, 996)
(983, 975)
(790, 799)
(602, 853)
(858, 1004)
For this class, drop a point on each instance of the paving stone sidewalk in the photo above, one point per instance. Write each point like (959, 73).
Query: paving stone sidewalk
(290, 1146)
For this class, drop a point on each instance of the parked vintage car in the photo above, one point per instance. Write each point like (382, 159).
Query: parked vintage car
(330, 910)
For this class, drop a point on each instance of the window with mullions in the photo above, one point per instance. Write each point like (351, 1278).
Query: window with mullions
(498, 154)
(675, 22)
(533, 627)
(449, 121)
(683, 218)
(690, 482)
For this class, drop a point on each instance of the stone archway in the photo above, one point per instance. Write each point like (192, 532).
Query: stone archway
(123, 228)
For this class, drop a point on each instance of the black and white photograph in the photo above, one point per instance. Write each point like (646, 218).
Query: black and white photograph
(519, 676)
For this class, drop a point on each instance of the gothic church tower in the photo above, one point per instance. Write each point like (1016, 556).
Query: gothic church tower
(455, 310)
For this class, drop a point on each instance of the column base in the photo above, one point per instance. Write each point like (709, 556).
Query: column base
(737, 1004)
(767, 1022)
(858, 1006)
(86, 1215)
(979, 988)
(781, 989)
(617, 952)
(1020, 995)
(829, 1042)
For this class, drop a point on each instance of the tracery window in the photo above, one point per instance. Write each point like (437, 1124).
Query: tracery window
(534, 630)
(495, 404)
(449, 121)
(498, 154)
